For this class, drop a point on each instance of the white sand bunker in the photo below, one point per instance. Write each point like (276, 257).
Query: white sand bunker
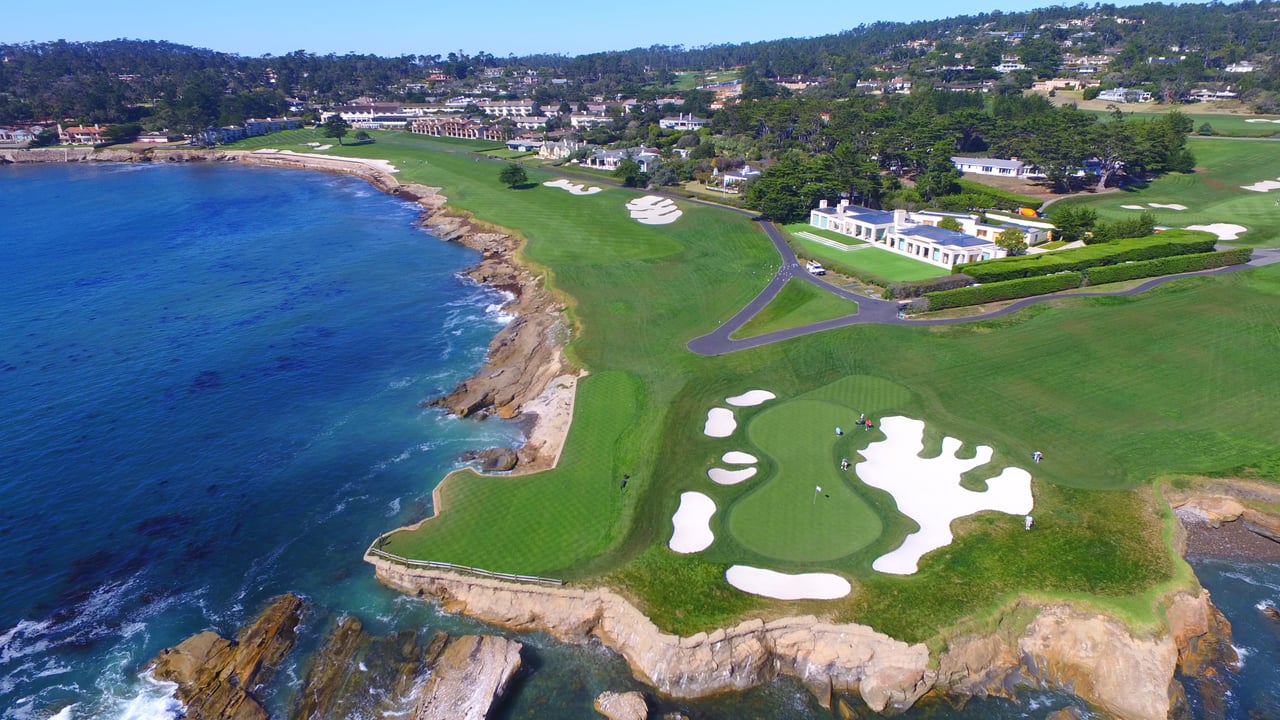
(1224, 231)
(720, 423)
(1166, 206)
(807, 586)
(929, 492)
(323, 147)
(653, 210)
(1264, 186)
(1262, 120)
(750, 398)
(693, 524)
(721, 476)
(573, 187)
(735, 457)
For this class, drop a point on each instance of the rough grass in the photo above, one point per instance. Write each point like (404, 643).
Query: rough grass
(1212, 194)
(798, 303)
(1180, 379)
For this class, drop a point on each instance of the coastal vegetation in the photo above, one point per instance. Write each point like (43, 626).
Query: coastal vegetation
(1082, 380)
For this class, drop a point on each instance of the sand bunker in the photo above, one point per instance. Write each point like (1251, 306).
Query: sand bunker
(323, 147)
(720, 423)
(928, 490)
(807, 586)
(1264, 186)
(1168, 206)
(1133, 207)
(653, 210)
(734, 457)
(1262, 120)
(1224, 231)
(573, 187)
(750, 398)
(721, 476)
(693, 524)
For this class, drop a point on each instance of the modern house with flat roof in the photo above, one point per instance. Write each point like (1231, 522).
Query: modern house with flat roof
(993, 166)
(917, 235)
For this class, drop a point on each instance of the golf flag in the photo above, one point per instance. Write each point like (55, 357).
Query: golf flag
(817, 488)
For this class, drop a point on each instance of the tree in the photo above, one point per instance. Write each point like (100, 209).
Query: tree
(122, 132)
(1013, 240)
(665, 175)
(362, 136)
(788, 190)
(1072, 223)
(336, 127)
(950, 223)
(513, 175)
(1132, 227)
(45, 138)
(629, 173)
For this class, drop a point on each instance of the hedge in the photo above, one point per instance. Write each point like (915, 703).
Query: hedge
(1165, 244)
(1007, 290)
(1167, 266)
(916, 288)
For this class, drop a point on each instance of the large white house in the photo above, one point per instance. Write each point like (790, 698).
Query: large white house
(917, 235)
(993, 166)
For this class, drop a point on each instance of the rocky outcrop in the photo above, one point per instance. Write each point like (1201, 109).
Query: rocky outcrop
(492, 460)
(389, 669)
(471, 675)
(622, 706)
(216, 677)
(1090, 654)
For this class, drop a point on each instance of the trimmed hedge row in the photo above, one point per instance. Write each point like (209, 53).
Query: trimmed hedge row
(1007, 290)
(916, 288)
(1167, 266)
(1165, 244)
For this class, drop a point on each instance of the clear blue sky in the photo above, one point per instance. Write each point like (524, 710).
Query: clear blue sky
(500, 27)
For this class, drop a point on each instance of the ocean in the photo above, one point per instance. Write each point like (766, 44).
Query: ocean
(211, 381)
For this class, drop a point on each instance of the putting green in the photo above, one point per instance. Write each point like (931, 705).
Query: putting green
(785, 517)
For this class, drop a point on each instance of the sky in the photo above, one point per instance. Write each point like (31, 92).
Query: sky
(499, 27)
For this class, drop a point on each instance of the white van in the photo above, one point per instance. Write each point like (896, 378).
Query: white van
(815, 268)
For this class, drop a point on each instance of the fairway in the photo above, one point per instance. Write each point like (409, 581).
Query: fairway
(798, 303)
(786, 517)
(1212, 194)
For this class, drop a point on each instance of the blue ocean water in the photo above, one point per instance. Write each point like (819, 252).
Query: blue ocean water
(210, 381)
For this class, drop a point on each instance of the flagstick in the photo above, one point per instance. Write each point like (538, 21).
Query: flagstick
(815, 494)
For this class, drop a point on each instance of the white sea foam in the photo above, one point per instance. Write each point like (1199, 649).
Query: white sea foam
(393, 507)
(154, 701)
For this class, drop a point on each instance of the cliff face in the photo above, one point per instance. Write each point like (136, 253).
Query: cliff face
(1089, 654)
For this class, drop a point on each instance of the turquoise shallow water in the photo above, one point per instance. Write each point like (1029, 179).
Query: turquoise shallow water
(210, 381)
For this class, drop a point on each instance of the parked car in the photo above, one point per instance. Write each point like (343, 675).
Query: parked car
(815, 268)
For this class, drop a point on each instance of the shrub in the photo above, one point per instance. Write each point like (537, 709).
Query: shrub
(916, 288)
(1167, 266)
(1168, 243)
(1007, 290)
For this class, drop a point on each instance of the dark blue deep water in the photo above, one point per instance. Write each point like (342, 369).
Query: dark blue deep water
(210, 381)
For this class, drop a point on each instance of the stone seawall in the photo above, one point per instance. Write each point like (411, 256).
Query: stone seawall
(1063, 647)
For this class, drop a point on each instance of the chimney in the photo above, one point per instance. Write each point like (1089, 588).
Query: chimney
(822, 204)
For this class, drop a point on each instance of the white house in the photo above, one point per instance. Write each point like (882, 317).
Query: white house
(559, 150)
(917, 235)
(993, 166)
(581, 120)
(1124, 95)
(732, 180)
(507, 108)
(683, 122)
(610, 159)
(1241, 67)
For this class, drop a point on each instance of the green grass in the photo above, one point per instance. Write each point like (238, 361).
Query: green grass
(1115, 392)
(1232, 125)
(885, 264)
(798, 303)
(1212, 194)
(804, 227)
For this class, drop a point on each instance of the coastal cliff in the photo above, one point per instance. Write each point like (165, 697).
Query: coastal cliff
(1088, 654)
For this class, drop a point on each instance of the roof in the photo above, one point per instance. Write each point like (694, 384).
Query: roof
(993, 162)
(939, 236)
(867, 215)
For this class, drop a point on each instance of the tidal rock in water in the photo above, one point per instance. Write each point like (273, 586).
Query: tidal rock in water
(358, 675)
(216, 677)
(471, 675)
(492, 460)
(622, 706)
